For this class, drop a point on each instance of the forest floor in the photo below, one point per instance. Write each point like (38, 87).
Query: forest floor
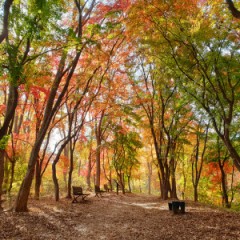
(130, 216)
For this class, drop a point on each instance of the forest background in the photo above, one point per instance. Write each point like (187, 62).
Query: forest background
(142, 93)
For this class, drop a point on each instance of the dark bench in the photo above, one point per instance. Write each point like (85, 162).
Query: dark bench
(177, 206)
(98, 191)
(78, 192)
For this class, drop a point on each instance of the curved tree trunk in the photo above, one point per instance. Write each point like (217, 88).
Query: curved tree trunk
(23, 194)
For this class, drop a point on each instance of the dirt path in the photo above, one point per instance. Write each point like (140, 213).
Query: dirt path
(117, 217)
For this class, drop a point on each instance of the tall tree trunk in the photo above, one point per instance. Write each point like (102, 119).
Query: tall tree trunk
(195, 188)
(98, 134)
(224, 186)
(55, 181)
(37, 181)
(174, 187)
(50, 110)
(89, 170)
(1, 173)
(98, 162)
(10, 112)
(54, 173)
(129, 183)
(164, 188)
(69, 195)
(13, 163)
(149, 165)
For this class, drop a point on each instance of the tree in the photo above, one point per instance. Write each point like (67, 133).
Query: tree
(16, 48)
(209, 74)
(65, 71)
(219, 158)
(125, 146)
(168, 115)
(198, 155)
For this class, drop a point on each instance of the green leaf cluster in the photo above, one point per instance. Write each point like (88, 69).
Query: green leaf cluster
(4, 142)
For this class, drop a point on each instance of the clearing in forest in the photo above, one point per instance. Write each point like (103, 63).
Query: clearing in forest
(130, 216)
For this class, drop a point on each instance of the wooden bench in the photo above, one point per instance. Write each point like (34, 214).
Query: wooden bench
(177, 206)
(78, 192)
(98, 191)
(106, 188)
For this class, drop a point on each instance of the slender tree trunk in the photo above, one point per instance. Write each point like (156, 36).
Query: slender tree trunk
(54, 173)
(195, 188)
(110, 181)
(11, 106)
(37, 181)
(233, 152)
(88, 177)
(55, 181)
(1, 173)
(129, 183)
(98, 134)
(174, 187)
(69, 195)
(160, 185)
(13, 163)
(224, 187)
(98, 163)
(149, 165)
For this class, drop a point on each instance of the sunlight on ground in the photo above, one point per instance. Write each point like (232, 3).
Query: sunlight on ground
(58, 210)
(150, 206)
(164, 206)
(35, 209)
(82, 229)
(146, 205)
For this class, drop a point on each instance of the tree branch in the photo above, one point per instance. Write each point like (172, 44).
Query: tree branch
(235, 12)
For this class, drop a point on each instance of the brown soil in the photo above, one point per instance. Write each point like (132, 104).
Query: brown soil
(129, 216)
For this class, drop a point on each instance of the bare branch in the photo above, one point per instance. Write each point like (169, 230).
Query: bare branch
(235, 12)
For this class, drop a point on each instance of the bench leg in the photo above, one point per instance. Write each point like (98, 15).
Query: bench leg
(83, 198)
(74, 200)
(170, 206)
(182, 207)
(98, 194)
